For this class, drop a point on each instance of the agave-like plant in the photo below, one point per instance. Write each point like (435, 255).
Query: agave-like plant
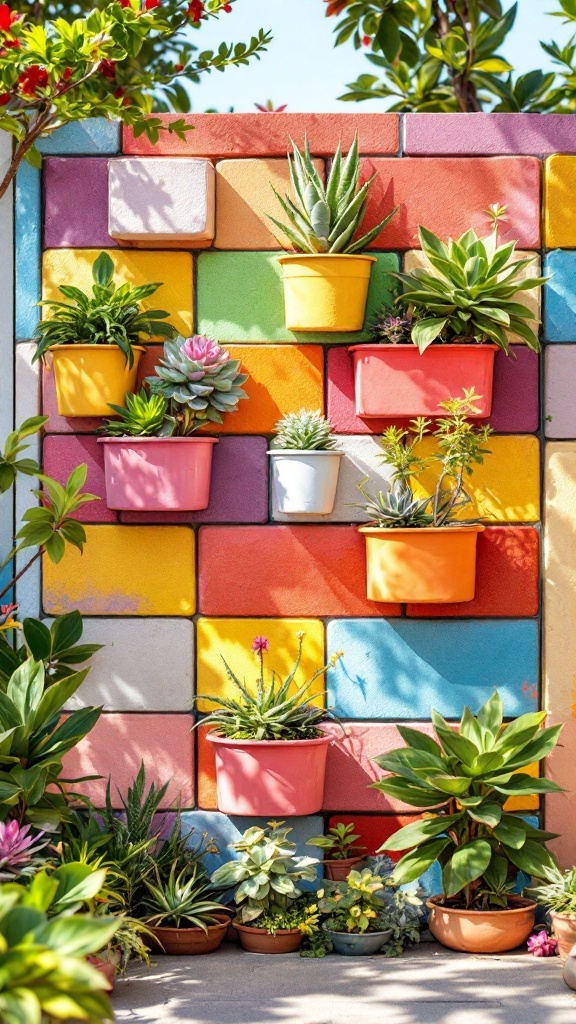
(143, 416)
(304, 431)
(181, 901)
(325, 219)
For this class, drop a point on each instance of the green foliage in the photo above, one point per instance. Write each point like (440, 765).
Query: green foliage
(391, 326)
(339, 842)
(56, 647)
(51, 525)
(304, 431)
(110, 316)
(462, 779)
(559, 891)
(325, 219)
(10, 462)
(354, 905)
(143, 416)
(181, 901)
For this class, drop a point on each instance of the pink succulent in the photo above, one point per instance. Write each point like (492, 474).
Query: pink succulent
(16, 845)
(541, 944)
(207, 353)
(260, 644)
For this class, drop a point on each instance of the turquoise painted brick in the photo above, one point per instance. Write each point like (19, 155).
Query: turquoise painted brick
(560, 296)
(95, 135)
(400, 669)
(28, 229)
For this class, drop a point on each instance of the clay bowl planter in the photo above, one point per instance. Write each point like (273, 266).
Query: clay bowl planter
(349, 944)
(270, 778)
(90, 378)
(431, 565)
(338, 870)
(396, 381)
(569, 972)
(258, 940)
(158, 474)
(564, 927)
(475, 931)
(191, 941)
(325, 292)
(304, 482)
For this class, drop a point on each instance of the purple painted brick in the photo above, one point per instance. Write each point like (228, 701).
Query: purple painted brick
(488, 134)
(76, 203)
(560, 381)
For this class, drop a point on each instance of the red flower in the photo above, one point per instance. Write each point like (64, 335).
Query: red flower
(5, 18)
(4, 98)
(178, 67)
(149, 5)
(335, 7)
(67, 74)
(366, 40)
(227, 8)
(124, 3)
(260, 644)
(33, 79)
(108, 69)
(118, 93)
(195, 10)
(12, 44)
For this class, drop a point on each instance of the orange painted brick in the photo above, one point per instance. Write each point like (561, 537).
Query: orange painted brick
(449, 195)
(296, 571)
(206, 760)
(374, 829)
(119, 743)
(221, 135)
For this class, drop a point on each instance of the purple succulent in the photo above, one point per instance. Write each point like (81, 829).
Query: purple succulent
(541, 944)
(17, 847)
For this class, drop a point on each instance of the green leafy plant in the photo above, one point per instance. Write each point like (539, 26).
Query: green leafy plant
(143, 416)
(55, 646)
(354, 906)
(339, 842)
(461, 780)
(460, 446)
(558, 892)
(391, 326)
(275, 711)
(304, 431)
(181, 901)
(325, 219)
(110, 316)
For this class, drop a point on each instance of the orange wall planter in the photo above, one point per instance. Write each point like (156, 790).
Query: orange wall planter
(433, 565)
(326, 292)
(395, 380)
(90, 378)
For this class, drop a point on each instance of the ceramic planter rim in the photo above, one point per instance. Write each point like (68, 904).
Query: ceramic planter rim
(129, 439)
(192, 930)
(103, 345)
(304, 451)
(263, 931)
(322, 255)
(461, 528)
(448, 346)
(357, 935)
(525, 904)
(226, 741)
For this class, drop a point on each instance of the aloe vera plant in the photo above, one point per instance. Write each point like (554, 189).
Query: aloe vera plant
(304, 431)
(143, 415)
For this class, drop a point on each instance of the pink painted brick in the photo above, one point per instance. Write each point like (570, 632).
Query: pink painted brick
(560, 383)
(76, 203)
(516, 387)
(62, 453)
(119, 743)
(488, 134)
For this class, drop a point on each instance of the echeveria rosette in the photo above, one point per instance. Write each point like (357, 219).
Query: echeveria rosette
(200, 382)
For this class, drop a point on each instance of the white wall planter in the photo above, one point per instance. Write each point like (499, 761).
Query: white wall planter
(161, 201)
(304, 482)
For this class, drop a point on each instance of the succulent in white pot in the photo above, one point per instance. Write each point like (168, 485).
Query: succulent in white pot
(305, 464)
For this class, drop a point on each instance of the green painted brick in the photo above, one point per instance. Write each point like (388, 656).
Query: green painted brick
(241, 298)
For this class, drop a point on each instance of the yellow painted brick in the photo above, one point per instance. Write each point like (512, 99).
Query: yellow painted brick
(559, 207)
(506, 489)
(525, 803)
(125, 570)
(244, 197)
(172, 270)
(232, 638)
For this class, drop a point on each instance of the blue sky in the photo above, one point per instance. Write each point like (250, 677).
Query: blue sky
(302, 68)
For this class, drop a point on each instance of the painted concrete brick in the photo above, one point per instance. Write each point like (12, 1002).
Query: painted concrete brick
(561, 807)
(449, 196)
(118, 744)
(560, 296)
(129, 673)
(26, 404)
(559, 216)
(73, 186)
(94, 135)
(231, 639)
(173, 269)
(61, 454)
(397, 670)
(28, 249)
(222, 135)
(559, 381)
(374, 830)
(206, 794)
(507, 577)
(359, 461)
(241, 298)
(488, 134)
(284, 570)
(154, 201)
(515, 406)
(6, 352)
(244, 197)
(125, 570)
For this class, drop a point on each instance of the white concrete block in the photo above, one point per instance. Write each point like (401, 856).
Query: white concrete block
(161, 199)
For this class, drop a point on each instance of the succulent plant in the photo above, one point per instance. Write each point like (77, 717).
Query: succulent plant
(18, 850)
(143, 416)
(391, 326)
(325, 219)
(396, 507)
(304, 431)
(180, 901)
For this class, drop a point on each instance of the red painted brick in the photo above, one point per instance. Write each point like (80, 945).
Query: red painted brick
(285, 570)
(375, 829)
(222, 135)
(449, 196)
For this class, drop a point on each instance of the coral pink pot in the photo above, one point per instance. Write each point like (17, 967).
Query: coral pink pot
(396, 381)
(270, 778)
(158, 474)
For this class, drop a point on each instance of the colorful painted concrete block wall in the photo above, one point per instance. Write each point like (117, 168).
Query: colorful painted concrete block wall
(167, 594)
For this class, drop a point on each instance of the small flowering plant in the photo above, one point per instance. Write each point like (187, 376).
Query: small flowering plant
(19, 850)
(542, 944)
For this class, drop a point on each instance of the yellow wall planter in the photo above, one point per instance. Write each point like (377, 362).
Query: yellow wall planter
(325, 292)
(89, 378)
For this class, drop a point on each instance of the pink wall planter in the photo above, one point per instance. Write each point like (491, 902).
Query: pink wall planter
(158, 474)
(277, 778)
(395, 380)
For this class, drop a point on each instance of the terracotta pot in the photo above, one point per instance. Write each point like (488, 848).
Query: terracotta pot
(326, 291)
(158, 474)
(258, 940)
(191, 941)
(476, 931)
(349, 944)
(304, 482)
(564, 926)
(90, 378)
(270, 778)
(431, 565)
(569, 972)
(106, 968)
(338, 870)
(396, 381)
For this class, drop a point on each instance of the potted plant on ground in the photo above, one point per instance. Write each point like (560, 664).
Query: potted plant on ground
(558, 894)
(461, 781)
(93, 341)
(443, 332)
(269, 745)
(326, 278)
(273, 916)
(417, 550)
(182, 914)
(357, 919)
(305, 464)
(151, 461)
(341, 851)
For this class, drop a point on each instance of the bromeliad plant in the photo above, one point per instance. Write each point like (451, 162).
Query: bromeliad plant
(461, 781)
(19, 851)
(304, 431)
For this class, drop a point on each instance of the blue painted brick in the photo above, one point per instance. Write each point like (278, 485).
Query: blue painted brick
(28, 228)
(560, 296)
(95, 135)
(400, 669)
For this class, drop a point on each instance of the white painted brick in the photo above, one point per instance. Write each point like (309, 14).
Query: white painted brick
(161, 199)
(27, 399)
(360, 460)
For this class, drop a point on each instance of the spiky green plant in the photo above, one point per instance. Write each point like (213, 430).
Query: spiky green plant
(143, 416)
(304, 431)
(325, 219)
(180, 901)
(559, 891)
